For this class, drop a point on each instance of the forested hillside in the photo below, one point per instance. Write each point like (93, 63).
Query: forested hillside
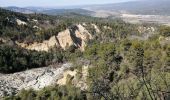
(124, 61)
(46, 27)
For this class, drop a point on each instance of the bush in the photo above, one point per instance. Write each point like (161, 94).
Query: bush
(165, 31)
(50, 93)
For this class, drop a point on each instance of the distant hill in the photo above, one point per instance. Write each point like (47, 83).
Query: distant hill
(66, 11)
(146, 7)
(21, 10)
(48, 11)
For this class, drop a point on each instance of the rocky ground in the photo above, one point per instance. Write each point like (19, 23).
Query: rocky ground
(35, 78)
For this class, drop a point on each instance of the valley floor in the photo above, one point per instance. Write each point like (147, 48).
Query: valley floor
(132, 18)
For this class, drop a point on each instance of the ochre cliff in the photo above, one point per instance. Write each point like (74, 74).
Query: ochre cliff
(77, 36)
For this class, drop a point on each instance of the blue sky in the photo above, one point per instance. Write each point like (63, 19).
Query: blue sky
(48, 3)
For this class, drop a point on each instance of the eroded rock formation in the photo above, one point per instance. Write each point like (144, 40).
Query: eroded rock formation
(44, 46)
(77, 36)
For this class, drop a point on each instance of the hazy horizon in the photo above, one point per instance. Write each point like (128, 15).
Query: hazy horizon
(53, 3)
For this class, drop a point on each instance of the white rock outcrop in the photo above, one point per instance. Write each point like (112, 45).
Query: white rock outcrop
(36, 27)
(107, 27)
(34, 20)
(142, 29)
(84, 35)
(19, 22)
(96, 28)
(35, 78)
